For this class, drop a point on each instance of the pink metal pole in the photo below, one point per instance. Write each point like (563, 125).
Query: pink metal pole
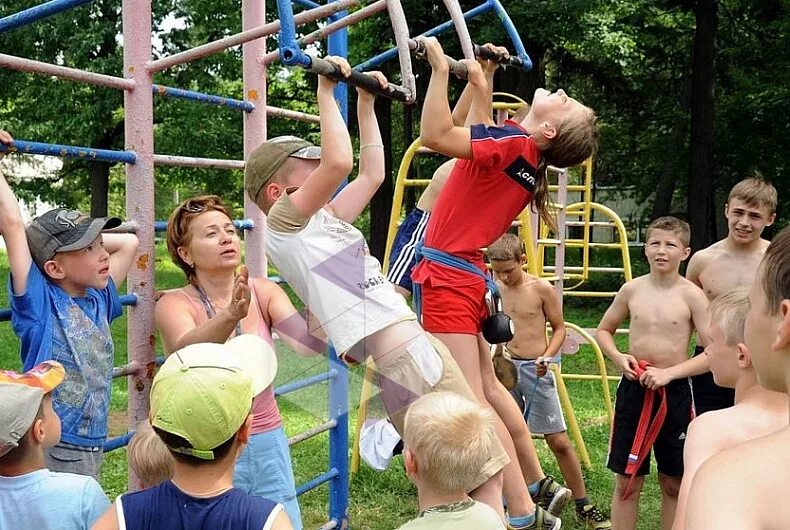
(252, 33)
(64, 72)
(191, 161)
(291, 114)
(559, 256)
(139, 137)
(253, 14)
(321, 33)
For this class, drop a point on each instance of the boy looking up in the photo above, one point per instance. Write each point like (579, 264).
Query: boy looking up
(757, 411)
(733, 261)
(664, 309)
(64, 274)
(722, 496)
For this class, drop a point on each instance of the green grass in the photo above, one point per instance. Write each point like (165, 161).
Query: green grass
(378, 501)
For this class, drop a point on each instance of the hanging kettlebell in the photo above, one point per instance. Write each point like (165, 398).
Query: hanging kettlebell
(498, 327)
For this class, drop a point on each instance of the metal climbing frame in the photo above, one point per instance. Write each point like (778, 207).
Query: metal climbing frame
(140, 159)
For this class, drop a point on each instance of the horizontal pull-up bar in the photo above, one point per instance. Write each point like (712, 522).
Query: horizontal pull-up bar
(358, 79)
(38, 12)
(458, 68)
(219, 101)
(246, 36)
(69, 151)
(37, 67)
(191, 161)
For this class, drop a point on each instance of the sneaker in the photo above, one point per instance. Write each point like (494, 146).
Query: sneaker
(593, 519)
(552, 496)
(543, 521)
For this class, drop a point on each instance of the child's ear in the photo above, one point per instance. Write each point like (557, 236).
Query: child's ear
(274, 191)
(37, 431)
(782, 340)
(744, 356)
(548, 130)
(245, 429)
(53, 269)
(771, 219)
(686, 252)
(409, 462)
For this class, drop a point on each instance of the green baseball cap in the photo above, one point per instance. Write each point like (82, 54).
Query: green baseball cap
(268, 157)
(203, 392)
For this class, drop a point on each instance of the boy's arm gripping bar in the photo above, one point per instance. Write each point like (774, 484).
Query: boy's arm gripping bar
(458, 68)
(357, 79)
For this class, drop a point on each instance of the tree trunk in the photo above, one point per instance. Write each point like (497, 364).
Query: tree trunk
(670, 166)
(381, 204)
(100, 184)
(703, 83)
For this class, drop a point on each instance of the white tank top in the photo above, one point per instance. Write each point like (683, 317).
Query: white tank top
(328, 265)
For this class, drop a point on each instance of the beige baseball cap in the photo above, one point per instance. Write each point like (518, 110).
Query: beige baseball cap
(268, 157)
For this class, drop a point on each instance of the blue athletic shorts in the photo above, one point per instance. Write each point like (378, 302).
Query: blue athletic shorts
(402, 258)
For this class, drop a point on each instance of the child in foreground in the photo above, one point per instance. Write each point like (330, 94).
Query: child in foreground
(757, 411)
(746, 486)
(201, 403)
(447, 440)
(32, 496)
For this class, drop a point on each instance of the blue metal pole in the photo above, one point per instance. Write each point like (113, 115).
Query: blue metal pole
(290, 52)
(338, 46)
(219, 101)
(38, 12)
(338, 441)
(117, 443)
(240, 224)
(126, 299)
(441, 28)
(307, 3)
(303, 383)
(512, 33)
(69, 151)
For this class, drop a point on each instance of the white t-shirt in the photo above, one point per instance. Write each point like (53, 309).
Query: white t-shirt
(47, 500)
(327, 263)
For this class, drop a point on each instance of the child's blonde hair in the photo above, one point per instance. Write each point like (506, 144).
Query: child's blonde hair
(755, 191)
(149, 457)
(506, 248)
(729, 311)
(776, 271)
(451, 438)
(670, 223)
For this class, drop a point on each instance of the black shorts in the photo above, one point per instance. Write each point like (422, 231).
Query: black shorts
(668, 447)
(707, 394)
(402, 256)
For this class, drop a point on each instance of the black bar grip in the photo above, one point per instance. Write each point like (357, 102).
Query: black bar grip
(456, 67)
(358, 79)
(485, 53)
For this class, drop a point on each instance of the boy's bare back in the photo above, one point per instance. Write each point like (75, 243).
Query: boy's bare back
(526, 305)
(661, 318)
(722, 266)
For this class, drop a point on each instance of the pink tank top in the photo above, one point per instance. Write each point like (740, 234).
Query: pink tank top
(265, 414)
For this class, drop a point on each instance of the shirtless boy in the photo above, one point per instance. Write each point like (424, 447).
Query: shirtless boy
(746, 486)
(732, 261)
(757, 411)
(664, 309)
(530, 302)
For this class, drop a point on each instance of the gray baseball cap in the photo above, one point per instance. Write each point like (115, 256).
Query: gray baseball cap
(64, 230)
(267, 158)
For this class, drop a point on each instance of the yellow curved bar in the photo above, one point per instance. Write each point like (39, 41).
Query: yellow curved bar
(607, 398)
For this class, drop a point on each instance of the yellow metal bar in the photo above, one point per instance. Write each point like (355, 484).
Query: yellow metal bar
(588, 377)
(570, 414)
(602, 375)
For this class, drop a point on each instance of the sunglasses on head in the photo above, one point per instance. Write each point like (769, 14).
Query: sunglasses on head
(195, 207)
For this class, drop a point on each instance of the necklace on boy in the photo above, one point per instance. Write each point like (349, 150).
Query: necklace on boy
(203, 494)
(209, 306)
